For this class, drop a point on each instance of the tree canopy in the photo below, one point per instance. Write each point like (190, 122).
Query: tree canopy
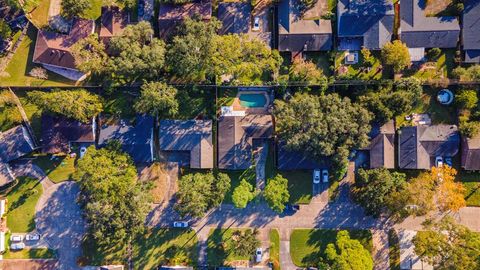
(157, 99)
(276, 193)
(243, 194)
(348, 254)
(74, 8)
(90, 56)
(396, 54)
(200, 192)
(322, 126)
(76, 104)
(307, 72)
(5, 30)
(471, 73)
(466, 99)
(245, 242)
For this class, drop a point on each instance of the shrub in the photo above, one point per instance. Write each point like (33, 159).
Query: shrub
(467, 99)
(39, 73)
(469, 129)
(434, 54)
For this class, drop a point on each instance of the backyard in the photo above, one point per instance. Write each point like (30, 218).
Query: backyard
(58, 168)
(322, 60)
(434, 70)
(33, 112)
(9, 114)
(221, 246)
(196, 102)
(308, 245)
(22, 200)
(358, 71)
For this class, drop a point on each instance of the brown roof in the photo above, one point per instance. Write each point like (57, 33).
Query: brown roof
(471, 153)
(6, 175)
(382, 151)
(113, 22)
(54, 48)
(170, 15)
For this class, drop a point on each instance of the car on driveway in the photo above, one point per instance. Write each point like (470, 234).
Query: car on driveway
(16, 238)
(256, 24)
(180, 224)
(325, 176)
(258, 255)
(32, 237)
(17, 246)
(316, 176)
(438, 162)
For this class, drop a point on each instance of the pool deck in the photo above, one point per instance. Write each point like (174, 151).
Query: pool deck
(256, 110)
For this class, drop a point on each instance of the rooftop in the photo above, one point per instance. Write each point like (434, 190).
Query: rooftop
(235, 17)
(292, 21)
(113, 22)
(15, 143)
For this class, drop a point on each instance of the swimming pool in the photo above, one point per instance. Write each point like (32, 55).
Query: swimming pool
(252, 100)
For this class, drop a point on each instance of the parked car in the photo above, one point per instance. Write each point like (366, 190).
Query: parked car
(16, 238)
(316, 176)
(32, 237)
(258, 255)
(83, 151)
(438, 162)
(17, 246)
(256, 24)
(180, 224)
(448, 161)
(325, 176)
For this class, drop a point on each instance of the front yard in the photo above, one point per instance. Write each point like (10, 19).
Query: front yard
(299, 185)
(471, 182)
(58, 169)
(236, 177)
(221, 247)
(21, 205)
(308, 245)
(274, 237)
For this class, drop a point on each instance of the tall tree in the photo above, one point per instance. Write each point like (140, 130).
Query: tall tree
(307, 72)
(157, 99)
(90, 56)
(245, 242)
(322, 126)
(77, 104)
(348, 254)
(466, 99)
(243, 194)
(396, 54)
(276, 193)
(75, 8)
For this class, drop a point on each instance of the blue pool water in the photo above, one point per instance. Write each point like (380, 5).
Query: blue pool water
(252, 100)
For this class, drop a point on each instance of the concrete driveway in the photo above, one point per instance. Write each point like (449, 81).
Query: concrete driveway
(58, 219)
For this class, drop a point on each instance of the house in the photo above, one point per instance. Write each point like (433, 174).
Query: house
(419, 31)
(189, 142)
(136, 138)
(53, 50)
(298, 32)
(6, 174)
(471, 31)
(366, 24)
(2, 242)
(235, 17)
(238, 136)
(408, 259)
(15, 143)
(382, 147)
(113, 22)
(471, 153)
(60, 133)
(171, 15)
(418, 146)
(297, 160)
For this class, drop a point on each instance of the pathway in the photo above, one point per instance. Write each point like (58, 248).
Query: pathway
(285, 258)
(260, 161)
(381, 249)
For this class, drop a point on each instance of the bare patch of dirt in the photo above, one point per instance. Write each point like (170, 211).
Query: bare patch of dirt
(158, 175)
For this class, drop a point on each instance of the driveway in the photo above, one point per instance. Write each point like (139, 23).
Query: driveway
(59, 220)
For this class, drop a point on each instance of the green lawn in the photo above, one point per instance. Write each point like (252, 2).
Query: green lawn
(322, 59)
(21, 64)
(299, 185)
(119, 105)
(58, 170)
(95, 10)
(440, 69)
(471, 182)
(226, 96)
(39, 15)
(274, 248)
(22, 200)
(196, 102)
(220, 247)
(33, 112)
(308, 245)
(27, 253)
(354, 71)
(236, 177)
(9, 114)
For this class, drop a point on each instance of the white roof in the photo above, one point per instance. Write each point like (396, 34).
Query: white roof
(408, 259)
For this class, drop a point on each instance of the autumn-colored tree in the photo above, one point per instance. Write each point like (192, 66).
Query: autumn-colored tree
(396, 54)
(449, 194)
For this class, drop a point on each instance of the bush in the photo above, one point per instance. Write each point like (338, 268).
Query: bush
(434, 54)
(469, 129)
(5, 30)
(39, 73)
(467, 99)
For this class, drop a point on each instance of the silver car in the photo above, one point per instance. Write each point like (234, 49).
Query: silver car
(180, 224)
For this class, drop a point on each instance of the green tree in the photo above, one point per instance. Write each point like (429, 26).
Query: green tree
(245, 242)
(467, 99)
(5, 30)
(306, 72)
(396, 54)
(114, 202)
(378, 190)
(276, 193)
(129, 4)
(469, 129)
(471, 73)
(348, 254)
(433, 54)
(76, 104)
(243, 194)
(200, 192)
(90, 56)
(448, 245)
(368, 59)
(322, 126)
(157, 99)
(75, 8)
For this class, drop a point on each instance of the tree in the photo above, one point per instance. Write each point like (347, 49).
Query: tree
(396, 54)
(276, 193)
(200, 192)
(433, 54)
(90, 56)
(322, 126)
(368, 60)
(243, 194)
(115, 203)
(245, 242)
(5, 30)
(306, 72)
(74, 8)
(348, 254)
(76, 104)
(379, 189)
(157, 99)
(469, 129)
(471, 73)
(448, 245)
(129, 4)
(466, 99)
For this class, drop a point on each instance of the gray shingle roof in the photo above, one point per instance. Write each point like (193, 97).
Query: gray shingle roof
(420, 31)
(382, 151)
(471, 153)
(6, 175)
(58, 132)
(471, 25)
(372, 20)
(15, 143)
(192, 136)
(235, 17)
(136, 140)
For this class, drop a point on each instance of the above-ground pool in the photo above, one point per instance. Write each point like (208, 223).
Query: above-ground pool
(252, 100)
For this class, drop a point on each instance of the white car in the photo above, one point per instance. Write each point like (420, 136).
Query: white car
(32, 237)
(438, 162)
(83, 150)
(16, 238)
(316, 176)
(180, 224)
(325, 176)
(256, 24)
(17, 246)
(258, 255)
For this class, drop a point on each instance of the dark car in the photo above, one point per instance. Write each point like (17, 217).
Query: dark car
(291, 209)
